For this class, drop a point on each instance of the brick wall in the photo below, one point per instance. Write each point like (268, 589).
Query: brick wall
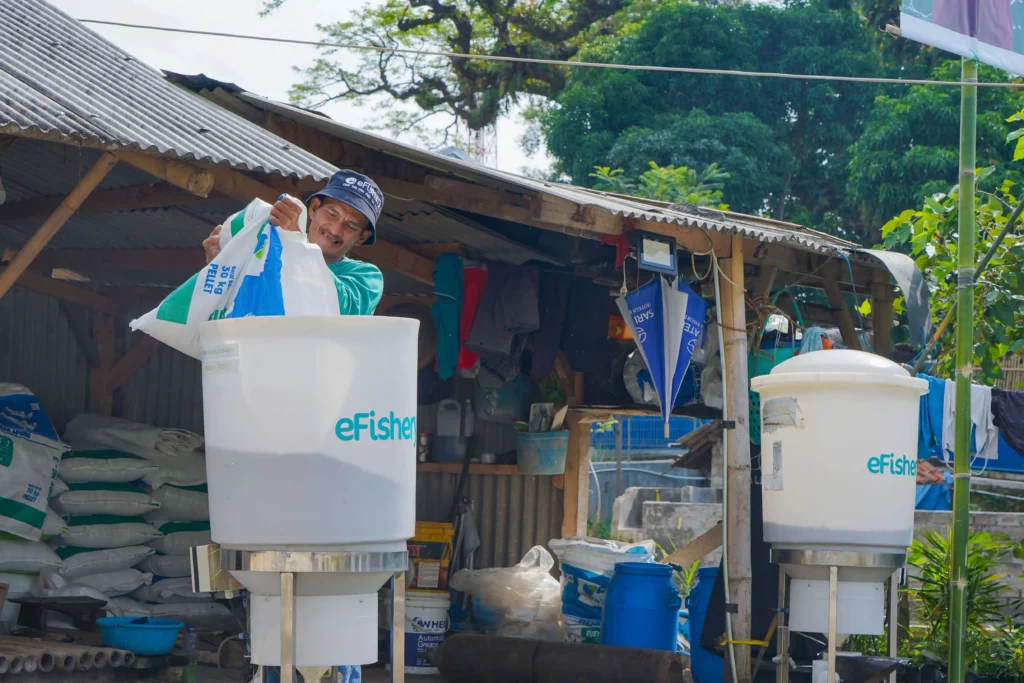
(1009, 523)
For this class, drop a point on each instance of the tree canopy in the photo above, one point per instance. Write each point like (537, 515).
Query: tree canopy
(787, 139)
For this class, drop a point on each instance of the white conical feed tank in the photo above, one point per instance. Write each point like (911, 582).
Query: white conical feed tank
(311, 452)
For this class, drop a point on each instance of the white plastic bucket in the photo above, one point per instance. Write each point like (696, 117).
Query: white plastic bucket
(426, 623)
(839, 452)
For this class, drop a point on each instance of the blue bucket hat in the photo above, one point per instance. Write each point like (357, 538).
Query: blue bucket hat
(359, 192)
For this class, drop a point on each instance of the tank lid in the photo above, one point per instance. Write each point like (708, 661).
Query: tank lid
(840, 360)
(643, 568)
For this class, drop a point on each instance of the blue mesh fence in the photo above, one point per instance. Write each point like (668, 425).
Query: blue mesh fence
(643, 433)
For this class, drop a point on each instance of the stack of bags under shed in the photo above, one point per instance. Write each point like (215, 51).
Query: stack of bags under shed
(166, 468)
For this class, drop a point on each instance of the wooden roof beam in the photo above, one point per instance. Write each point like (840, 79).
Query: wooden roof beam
(104, 201)
(186, 176)
(62, 291)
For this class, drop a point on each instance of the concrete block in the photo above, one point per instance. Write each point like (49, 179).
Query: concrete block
(673, 525)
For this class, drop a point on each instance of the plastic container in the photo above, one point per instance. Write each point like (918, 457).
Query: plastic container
(311, 446)
(706, 666)
(430, 552)
(839, 447)
(541, 452)
(454, 427)
(311, 431)
(504, 403)
(154, 637)
(641, 609)
(426, 624)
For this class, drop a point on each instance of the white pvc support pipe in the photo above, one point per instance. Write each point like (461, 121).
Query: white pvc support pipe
(725, 470)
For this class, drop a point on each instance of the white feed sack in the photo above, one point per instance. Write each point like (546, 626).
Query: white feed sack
(182, 504)
(260, 270)
(101, 531)
(104, 465)
(170, 591)
(166, 566)
(178, 538)
(116, 583)
(82, 561)
(30, 454)
(27, 556)
(105, 499)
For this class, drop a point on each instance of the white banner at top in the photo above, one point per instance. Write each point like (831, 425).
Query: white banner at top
(991, 30)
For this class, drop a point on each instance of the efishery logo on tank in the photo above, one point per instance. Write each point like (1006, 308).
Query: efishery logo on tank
(362, 426)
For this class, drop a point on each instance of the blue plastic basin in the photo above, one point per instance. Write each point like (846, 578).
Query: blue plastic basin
(154, 637)
(541, 452)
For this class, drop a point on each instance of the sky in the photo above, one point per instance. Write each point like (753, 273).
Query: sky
(263, 68)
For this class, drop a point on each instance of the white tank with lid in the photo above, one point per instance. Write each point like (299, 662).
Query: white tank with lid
(839, 452)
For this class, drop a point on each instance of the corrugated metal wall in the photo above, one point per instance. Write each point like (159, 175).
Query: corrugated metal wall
(513, 513)
(166, 391)
(39, 350)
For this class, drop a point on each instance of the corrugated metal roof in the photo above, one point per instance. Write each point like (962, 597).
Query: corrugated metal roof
(751, 227)
(62, 81)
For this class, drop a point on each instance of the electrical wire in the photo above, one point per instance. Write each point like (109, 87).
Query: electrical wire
(548, 62)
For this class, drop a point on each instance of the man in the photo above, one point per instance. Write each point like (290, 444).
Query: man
(341, 216)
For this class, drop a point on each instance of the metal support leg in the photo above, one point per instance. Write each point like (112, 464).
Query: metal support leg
(894, 609)
(287, 627)
(397, 628)
(833, 636)
(782, 668)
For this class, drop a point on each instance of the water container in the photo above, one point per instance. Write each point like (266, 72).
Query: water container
(541, 452)
(454, 427)
(839, 452)
(311, 432)
(706, 666)
(641, 608)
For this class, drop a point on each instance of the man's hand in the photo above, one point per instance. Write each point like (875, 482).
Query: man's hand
(211, 245)
(286, 212)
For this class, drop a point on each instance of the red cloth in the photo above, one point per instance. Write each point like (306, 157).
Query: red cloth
(621, 244)
(473, 281)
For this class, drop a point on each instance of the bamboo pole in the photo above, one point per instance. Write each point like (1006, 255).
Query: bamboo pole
(964, 372)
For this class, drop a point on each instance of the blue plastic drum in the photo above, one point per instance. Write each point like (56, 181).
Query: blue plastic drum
(641, 607)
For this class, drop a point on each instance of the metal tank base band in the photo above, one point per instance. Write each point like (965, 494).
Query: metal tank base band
(839, 558)
(300, 562)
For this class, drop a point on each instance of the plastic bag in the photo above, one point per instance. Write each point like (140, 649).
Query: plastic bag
(516, 602)
(588, 565)
(261, 270)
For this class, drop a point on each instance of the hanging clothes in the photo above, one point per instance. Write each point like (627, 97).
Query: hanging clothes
(984, 434)
(1008, 416)
(932, 418)
(585, 334)
(446, 309)
(508, 312)
(474, 279)
(547, 341)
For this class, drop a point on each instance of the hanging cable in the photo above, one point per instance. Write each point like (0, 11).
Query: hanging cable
(546, 62)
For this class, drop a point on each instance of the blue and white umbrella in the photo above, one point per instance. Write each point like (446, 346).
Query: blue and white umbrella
(666, 323)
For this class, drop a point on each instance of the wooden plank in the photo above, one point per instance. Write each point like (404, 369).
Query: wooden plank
(733, 303)
(576, 480)
(838, 303)
(117, 259)
(882, 313)
(196, 180)
(130, 362)
(57, 219)
(70, 293)
(80, 328)
(101, 401)
(474, 468)
(708, 542)
(103, 201)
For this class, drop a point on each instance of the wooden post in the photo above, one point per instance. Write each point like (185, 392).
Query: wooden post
(57, 219)
(737, 471)
(576, 481)
(101, 401)
(843, 315)
(881, 313)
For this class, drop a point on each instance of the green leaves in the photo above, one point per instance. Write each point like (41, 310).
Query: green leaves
(666, 184)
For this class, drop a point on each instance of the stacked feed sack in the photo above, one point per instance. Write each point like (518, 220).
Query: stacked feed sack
(30, 453)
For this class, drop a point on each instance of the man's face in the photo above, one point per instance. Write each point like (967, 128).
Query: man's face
(336, 228)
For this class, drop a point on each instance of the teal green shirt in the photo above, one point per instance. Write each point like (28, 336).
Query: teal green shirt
(360, 286)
